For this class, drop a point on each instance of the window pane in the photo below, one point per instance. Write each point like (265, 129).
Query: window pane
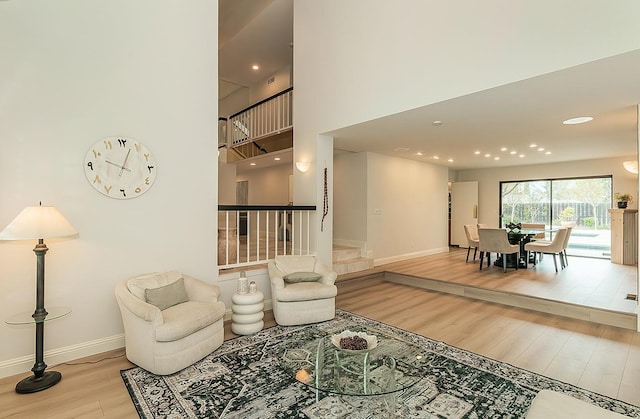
(581, 203)
(526, 202)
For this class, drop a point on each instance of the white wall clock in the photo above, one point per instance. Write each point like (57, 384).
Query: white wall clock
(120, 167)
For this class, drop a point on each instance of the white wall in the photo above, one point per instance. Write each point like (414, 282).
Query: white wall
(268, 186)
(226, 183)
(263, 89)
(407, 208)
(76, 71)
(363, 59)
(235, 102)
(489, 180)
(394, 208)
(350, 198)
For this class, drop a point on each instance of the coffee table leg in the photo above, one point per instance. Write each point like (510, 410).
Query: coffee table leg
(365, 373)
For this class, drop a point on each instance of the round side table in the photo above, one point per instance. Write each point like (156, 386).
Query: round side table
(247, 313)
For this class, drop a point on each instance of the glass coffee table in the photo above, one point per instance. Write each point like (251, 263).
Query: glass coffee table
(392, 366)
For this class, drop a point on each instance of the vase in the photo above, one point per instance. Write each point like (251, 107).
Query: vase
(622, 204)
(243, 284)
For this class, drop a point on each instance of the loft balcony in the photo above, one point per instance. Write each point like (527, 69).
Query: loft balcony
(262, 128)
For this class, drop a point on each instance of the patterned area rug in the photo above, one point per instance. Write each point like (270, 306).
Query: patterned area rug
(244, 379)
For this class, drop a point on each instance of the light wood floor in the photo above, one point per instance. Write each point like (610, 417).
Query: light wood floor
(600, 358)
(586, 281)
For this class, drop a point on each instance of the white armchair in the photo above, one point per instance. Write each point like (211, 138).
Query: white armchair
(184, 325)
(304, 300)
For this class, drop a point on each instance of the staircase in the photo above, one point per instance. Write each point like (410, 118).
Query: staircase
(347, 260)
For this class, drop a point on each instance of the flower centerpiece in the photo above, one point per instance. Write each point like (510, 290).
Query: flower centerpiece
(514, 228)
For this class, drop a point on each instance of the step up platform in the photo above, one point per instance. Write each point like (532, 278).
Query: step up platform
(347, 259)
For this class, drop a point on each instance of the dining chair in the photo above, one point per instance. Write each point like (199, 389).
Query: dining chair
(496, 240)
(566, 243)
(555, 247)
(471, 231)
(533, 226)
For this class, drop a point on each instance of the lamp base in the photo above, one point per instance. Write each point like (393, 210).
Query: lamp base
(34, 384)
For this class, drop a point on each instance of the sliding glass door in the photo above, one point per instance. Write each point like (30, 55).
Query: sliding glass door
(581, 203)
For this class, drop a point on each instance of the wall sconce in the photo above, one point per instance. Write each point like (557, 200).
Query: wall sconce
(302, 166)
(631, 166)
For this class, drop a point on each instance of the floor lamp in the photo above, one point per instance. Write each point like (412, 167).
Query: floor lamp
(39, 223)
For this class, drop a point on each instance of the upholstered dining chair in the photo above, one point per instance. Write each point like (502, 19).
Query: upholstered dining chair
(496, 240)
(566, 243)
(471, 231)
(533, 226)
(171, 320)
(555, 247)
(303, 290)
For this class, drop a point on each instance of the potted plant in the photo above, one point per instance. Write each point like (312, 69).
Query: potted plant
(623, 199)
(566, 217)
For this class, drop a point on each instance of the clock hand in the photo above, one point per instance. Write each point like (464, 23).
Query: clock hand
(117, 165)
(124, 163)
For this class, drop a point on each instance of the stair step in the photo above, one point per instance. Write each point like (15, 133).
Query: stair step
(352, 265)
(341, 253)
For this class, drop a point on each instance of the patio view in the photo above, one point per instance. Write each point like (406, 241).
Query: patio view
(581, 203)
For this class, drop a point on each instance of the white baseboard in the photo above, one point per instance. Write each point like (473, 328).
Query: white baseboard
(61, 355)
(69, 353)
(398, 258)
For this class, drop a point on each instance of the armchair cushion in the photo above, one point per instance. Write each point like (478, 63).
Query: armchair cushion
(168, 295)
(295, 277)
(184, 319)
(306, 291)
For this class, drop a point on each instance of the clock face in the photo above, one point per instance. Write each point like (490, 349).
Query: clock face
(120, 167)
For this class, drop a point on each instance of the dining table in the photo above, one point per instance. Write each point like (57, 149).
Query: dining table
(521, 236)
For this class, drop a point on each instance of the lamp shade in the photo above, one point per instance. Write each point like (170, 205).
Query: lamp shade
(38, 223)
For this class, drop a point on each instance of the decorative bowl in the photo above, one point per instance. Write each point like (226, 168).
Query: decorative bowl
(372, 341)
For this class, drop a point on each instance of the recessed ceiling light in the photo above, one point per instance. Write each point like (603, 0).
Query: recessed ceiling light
(547, 152)
(533, 145)
(512, 152)
(521, 155)
(504, 149)
(496, 158)
(255, 67)
(541, 149)
(488, 155)
(436, 157)
(419, 153)
(252, 164)
(476, 152)
(276, 158)
(450, 160)
(401, 149)
(578, 120)
(437, 123)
